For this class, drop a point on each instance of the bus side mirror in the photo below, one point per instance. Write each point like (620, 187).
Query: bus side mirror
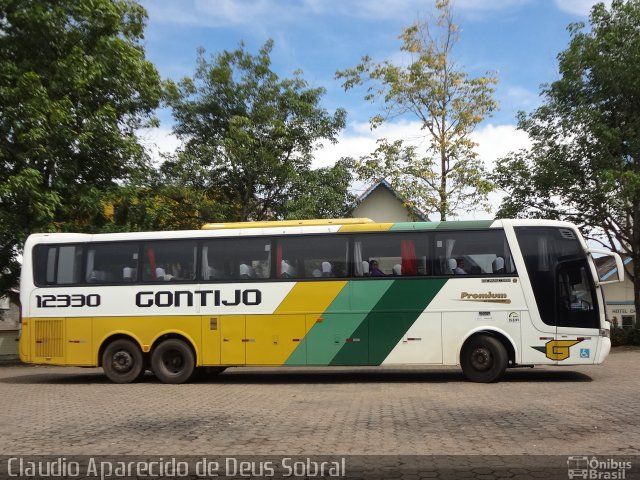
(617, 273)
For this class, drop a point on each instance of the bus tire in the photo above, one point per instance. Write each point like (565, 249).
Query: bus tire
(483, 359)
(173, 361)
(122, 361)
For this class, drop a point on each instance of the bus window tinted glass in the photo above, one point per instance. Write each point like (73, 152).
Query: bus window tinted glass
(169, 261)
(473, 253)
(312, 257)
(112, 263)
(57, 265)
(560, 276)
(236, 259)
(396, 254)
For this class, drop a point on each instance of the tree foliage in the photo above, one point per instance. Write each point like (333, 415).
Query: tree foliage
(445, 176)
(249, 136)
(74, 87)
(584, 165)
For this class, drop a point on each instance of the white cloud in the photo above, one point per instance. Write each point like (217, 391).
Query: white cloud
(578, 7)
(157, 141)
(521, 98)
(494, 141)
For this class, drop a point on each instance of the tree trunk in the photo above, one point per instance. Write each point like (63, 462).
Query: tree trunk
(444, 207)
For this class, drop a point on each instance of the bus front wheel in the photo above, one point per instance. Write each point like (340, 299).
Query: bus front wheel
(173, 361)
(483, 359)
(122, 361)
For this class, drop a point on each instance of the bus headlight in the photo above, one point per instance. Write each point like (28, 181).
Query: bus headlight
(605, 332)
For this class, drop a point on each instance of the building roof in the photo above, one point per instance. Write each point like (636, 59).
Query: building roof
(420, 215)
(606, 266)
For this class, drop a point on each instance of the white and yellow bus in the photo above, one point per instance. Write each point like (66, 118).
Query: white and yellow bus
(485, 295)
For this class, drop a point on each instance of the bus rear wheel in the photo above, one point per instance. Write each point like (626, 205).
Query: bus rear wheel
(483, 359)
(122, 361)
(173, 361)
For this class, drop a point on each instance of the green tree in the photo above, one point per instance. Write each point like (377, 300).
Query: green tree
(584, 164)
(248, 135)
(447, 176)
(74, 88)
(321, 193)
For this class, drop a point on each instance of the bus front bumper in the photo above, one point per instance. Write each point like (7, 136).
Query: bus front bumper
(605, 348)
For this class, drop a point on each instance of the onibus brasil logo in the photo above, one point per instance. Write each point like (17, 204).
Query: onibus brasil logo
(594, 468)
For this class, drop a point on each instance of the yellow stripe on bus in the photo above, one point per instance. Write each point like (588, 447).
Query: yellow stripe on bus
(310, 297)
(364, 227)
(287, 223)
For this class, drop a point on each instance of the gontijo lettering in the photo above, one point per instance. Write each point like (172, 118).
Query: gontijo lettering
(185, 298)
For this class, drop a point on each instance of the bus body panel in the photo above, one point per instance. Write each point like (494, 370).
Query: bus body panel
(350, 321)
(421, 344)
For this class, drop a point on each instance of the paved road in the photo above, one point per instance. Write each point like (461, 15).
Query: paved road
(569, 410)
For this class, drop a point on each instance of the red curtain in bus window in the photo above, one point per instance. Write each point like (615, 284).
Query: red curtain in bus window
(279, 261)
(409, 262)
(151, 255)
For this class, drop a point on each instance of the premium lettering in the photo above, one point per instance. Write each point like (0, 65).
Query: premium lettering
(488, 297)
(482, 296)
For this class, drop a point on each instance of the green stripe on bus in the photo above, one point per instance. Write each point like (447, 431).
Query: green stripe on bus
(389, 321)
(457, 225)
(464, 224)
(339, 321)
(415, 226)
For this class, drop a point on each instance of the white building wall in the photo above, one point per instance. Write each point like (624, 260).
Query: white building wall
(619, 302)
(382, 206)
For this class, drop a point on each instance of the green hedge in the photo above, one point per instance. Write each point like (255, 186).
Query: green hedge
(620, 336)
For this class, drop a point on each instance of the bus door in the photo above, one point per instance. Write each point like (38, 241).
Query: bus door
(564, 290)
(577, 313)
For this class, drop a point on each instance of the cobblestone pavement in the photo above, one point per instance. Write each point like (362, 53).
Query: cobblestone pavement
(399, 411)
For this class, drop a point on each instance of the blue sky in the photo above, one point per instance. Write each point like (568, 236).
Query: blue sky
(518, 40)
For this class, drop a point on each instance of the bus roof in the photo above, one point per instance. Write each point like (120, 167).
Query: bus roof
(289, 227)
(288, 223)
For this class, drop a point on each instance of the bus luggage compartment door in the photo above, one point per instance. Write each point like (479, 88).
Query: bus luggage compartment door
(271, 339)
(232, 340)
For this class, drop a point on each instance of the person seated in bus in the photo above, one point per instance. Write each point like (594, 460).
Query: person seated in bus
(160, 273)
(212, 272)
(498, 266)
(287, 270)
(455, 267)
(397, 270)
(365, 268)
(96, 276)
(244, 271)
(128, 274)
(326, 269)
(316, 273)
(375, 269)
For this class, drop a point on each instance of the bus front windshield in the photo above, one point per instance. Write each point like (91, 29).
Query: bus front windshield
(558, 268)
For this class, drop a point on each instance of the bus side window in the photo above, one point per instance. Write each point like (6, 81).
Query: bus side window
(236, 259)
(473, 253)
(314, 256)
(391, 254)
(112, 263)
(166, 261)
(58, 265)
